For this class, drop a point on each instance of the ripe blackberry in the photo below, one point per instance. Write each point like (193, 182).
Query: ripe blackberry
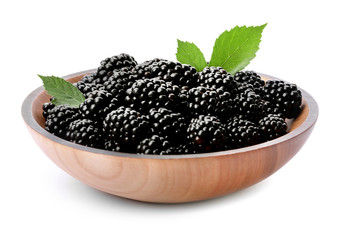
(202, 100)
(108, 65)
(119, 82)
(97, 104)
(86, 88)
(184, 149)
(175, 72)
(242, 133)
(206, 134)
(169, 71)
(272, 126)
(152, 93)
(144, 70)
(167, 124)
(112, 145)
(249, 104)
(126, 127)
(284, 96)
(59, 117)
(252, 78)
(217, 77)
(84, 132)
(47, 107)
(155, 145)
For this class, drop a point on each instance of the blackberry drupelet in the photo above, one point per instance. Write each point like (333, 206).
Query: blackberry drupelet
(250, 77)
(166, 123)
(283, 96)
(217, 77)
(108, 65)
(152, 93)
(125, 127)
(272, 126)
(84, 132)
(155, 145)
(97, 104)
(206, 134)
(59, 117)
(242, 133)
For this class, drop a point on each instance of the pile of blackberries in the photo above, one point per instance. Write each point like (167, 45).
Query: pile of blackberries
(165, 107)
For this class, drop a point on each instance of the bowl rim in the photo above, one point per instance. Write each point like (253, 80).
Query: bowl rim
(27, 115)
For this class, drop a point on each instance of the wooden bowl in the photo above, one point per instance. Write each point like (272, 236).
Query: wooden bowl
(169, 178)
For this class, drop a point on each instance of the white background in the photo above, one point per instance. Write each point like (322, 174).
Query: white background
(302, 43)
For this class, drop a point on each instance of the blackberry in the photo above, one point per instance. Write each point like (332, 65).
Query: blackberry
(97, 104)
(89, 78)
(144, 70)
(108, 65)
(242, 133)
(250, 77)
(272, 126)
(119, 82)
(59, 117)
(112, 145)
(152, 93)
(84, 132)
(206, 134)
(287, 98)
(155, 145)
(167, 124)
(217, 77)
(184, 149)
(126, 127)
(249, 104)
(86, 88)
(47, 107)
(169, 71)
(202, 100)
(175, 72)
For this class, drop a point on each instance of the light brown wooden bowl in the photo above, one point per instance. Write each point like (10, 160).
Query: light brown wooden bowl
(170, 178)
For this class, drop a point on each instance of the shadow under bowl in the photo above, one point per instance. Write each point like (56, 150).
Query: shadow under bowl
(169, 178)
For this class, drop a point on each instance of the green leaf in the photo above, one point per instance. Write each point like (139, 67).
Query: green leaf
(189, 53)
(233, 50)
(63, 92)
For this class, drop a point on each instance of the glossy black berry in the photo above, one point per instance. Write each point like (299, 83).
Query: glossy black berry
(108, 65)
(152, 93)
(59, 117)
(84, 132)
(272, 126)
(169, 71)
(168, 124)
(155, 145)
(287, 98)
(216, 102)
(97, 104)
(125, 127)
(217, 77)
(242, 133)
(206, 134)
(250, 77)
(118, 83)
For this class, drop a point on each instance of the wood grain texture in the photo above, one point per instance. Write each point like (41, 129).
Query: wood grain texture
(169, 179)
